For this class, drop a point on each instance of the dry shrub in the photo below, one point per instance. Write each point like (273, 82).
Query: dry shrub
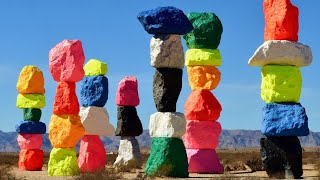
(5, 173)
(109, 173)
(255, 164)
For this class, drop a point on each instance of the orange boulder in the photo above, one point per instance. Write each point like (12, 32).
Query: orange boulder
(203, 77)
(65, 130)
(203, 106)
(31, 159)
(282, 20)
(66, 101)
(31, 81)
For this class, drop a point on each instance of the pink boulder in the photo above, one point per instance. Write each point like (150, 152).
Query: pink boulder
(202, 134)
(92, 155)
(29, 141)
(66, 61)
(204, 161)
(127, 92)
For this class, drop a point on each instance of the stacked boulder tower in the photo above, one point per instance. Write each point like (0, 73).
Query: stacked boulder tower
(168, 155)
(128, 125)
(284, 118)
(202, 109)
(65, 129)
(94, 117)
(31, 99)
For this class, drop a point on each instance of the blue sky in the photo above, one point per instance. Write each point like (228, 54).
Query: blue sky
(110, 31)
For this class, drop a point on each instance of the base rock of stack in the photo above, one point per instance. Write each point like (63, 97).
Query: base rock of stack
(204, 161)
(63, 162)
(282, 157)
(32, 114)
(31, 159)
(129, 123)
(92, 155)
(203, 77)
(94, 91)
(166, 51)
(31, 127)
(129, 156)
(66, 100)
(167, 158)
(30, 101)
(29, 141)
(167, 124)
(284, 120)
(167, 84)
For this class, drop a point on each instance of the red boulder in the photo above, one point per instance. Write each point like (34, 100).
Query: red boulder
(31, 159)
(66, 101)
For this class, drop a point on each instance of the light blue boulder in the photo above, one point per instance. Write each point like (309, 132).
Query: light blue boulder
(287, 119)
(94, 91)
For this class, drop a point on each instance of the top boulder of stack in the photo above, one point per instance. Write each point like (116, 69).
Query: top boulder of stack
(66, 61)
(206, 33)
(31, 81)
(95, 67)
(127, 92)
(165, 20)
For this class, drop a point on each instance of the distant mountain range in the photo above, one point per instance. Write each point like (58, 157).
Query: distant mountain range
(228, 139)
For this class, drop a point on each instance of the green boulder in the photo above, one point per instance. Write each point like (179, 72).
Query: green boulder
(31, 114)
(63, 162)
(206, 33)
(167, 158)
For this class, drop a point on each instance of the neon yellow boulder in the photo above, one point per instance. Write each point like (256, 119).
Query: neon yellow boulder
(95, 67)
(281, 83)
(30, 101)
(63, 162)
(203, 57)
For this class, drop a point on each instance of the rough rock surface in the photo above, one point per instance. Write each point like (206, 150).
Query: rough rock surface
(92, 155)
(66, 101)
(281, 83)
(167, 84)
(203, 77)
(166, 51)
(282, 157)
(282, 52)
(165, 20)
(65, 130)
(31, 81)
(282, 20)
(167, 124)
(129, 156)
(167, 158)
(95, 67)
(30, 101)
(66, 61)
(31, 127)
(203, 57)
(63, 162)
(31, 159)
(201, 105)
(284, 120)
(127, 92)
(202, 135)
(204, 161)
(29, 141)
(206, 33)
(96, 121)
(32, 114)
(94, 91)
(129, 123)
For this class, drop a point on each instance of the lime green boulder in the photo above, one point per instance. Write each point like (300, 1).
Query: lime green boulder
(206, 33)
(31, 114)
(30, 101)
(63, 162)
(203, 57)
(95, 67)
(167, 158)
(281, 84)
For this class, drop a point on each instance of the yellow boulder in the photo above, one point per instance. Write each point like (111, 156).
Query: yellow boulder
(30, 81)
(203, 57)
(95, 67)
(30, 101)
(281, 83)
(203, 77)
(65, 130)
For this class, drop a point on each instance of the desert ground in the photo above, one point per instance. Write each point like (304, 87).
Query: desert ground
(238, 163)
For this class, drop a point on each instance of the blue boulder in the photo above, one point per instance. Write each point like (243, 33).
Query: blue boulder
(31, 127)
(165, 20)
(94, 91)
(288, 119)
